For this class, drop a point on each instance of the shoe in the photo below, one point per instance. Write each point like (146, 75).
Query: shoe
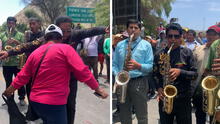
(22, 103)
(133, 116)
(100, 74)
(116, 114)
(4, 104)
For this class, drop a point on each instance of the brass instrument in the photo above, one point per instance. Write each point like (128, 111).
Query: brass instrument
(170, 91)
(123, 77)
(22, 59)
(8, 47)
(210, 84)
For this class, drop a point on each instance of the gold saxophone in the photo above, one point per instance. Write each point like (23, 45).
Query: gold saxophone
(170, 91)
(123, 77)
(9, 47)
(211, 92)
(210, 85)
(22, 59)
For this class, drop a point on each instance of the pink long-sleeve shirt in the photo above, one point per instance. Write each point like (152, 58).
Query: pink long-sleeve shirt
(51, 85)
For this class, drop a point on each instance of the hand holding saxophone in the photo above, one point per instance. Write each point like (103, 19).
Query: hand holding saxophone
(132, 65)
(174, 73)
(12, 41)
(216, 67)
(161, 94)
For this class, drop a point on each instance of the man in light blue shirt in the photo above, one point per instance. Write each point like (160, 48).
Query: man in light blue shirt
(139, 67)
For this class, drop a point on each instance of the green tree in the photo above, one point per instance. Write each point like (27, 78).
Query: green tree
(50, 8)
(102, 12)
(152, 11)
(31, 13)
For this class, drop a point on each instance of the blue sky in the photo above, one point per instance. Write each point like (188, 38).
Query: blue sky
(9, 8)
(196, 14)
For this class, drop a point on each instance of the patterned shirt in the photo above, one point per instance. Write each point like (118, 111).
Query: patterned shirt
(183, 59)
(11, 61)
(214, 53)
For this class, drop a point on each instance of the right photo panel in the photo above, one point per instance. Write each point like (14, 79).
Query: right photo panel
(165, 62)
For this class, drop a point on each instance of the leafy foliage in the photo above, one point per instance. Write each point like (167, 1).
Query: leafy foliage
(50, 8)
(102, 12)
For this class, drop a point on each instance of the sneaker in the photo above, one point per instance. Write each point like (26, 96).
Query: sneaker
(4, 104)
(116, 114)
(22, 103)
(100, 74)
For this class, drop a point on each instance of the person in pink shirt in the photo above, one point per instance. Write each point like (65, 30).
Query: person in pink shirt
(50, 88)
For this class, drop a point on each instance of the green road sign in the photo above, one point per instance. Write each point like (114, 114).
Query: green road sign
(81, 15)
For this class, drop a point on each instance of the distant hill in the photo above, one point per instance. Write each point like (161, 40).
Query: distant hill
(21, 18)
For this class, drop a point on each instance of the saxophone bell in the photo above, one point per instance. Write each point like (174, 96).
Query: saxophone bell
(210, 85)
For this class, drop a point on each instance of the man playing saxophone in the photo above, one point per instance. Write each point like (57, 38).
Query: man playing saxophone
(11, 38)
(181, 72)
(139, 66)
(201, 53)
(213, 65)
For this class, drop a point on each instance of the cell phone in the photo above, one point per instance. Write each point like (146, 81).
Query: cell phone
(97, 94)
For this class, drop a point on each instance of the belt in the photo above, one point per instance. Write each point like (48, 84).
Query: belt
(135, 78)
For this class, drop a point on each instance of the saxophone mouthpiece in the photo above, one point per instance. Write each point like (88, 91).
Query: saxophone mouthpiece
(132, 37)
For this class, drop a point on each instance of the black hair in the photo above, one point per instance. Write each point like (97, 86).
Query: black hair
(52, 36)
(62, 19)
(174, 26)
(10, 18)
(192, 31)
(34, 19)
(133, 21)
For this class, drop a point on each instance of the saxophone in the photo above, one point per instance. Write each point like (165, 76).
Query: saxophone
(123, 77)
(210, 85)
(22, 59)
(170, 91)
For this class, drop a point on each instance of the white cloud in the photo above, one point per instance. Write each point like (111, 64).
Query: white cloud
(213, 6)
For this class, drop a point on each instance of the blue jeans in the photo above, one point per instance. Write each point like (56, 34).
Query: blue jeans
(50, 114)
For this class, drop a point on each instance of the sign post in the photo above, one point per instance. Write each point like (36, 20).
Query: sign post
(81, 15)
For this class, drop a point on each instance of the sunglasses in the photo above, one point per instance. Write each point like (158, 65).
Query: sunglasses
(173, 35)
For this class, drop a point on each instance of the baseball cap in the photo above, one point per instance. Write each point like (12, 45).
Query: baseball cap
(216, 28)
(53, 28)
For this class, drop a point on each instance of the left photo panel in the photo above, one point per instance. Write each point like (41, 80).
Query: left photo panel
(55, 62)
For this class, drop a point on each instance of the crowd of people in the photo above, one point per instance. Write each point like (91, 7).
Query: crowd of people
(172, 65)
(53, 66)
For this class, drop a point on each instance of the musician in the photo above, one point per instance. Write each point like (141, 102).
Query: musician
(69, 37)
(11, 38)
(139, 66)
(213, 64)
(201, 53)
(181, 73)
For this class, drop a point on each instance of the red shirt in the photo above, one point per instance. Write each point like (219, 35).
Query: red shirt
(51, 85)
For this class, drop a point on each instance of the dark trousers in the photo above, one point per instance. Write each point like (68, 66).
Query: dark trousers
(137, 97)
(92, 62)
(50, 114)
(8, 72)
(197, 101)
(181, 110)
(107, 58)
(71, 101)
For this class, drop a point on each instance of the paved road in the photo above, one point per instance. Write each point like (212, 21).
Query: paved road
(153, 115)
(89, 109)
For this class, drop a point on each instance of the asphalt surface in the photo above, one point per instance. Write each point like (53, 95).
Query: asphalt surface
(89, 108)
(153, 113)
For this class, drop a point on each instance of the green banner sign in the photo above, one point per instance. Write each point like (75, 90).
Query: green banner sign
(81, 15)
